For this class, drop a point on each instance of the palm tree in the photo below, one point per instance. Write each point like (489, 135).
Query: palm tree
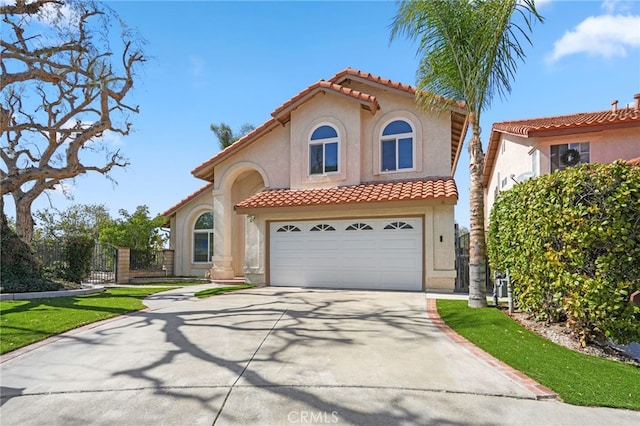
(470, 50)
(225, 135)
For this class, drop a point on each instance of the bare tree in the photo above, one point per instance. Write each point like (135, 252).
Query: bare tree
(63, 91)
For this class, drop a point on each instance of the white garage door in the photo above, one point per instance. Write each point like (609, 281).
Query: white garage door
(363, 253)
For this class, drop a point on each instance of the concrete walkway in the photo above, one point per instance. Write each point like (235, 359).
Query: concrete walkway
(273, 356)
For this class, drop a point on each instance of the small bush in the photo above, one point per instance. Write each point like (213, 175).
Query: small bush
(571, 242)
(31, 285)
(55, 271)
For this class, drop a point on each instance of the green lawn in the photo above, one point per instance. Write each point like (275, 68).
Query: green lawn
(577, 378)
(27, 321)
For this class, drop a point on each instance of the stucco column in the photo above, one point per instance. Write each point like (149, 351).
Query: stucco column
(222, 259)
(254, 265)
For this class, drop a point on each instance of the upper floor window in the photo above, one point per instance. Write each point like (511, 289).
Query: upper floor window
(569, 154)
(203, 238)
(396, 146)
(323, 150)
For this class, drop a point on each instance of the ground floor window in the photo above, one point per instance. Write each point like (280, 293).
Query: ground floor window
(203, 238)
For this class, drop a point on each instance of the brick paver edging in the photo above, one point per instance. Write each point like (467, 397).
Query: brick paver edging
(538, 390)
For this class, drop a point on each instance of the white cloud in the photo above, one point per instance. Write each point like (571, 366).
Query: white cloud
(606, 36)
(612, 6)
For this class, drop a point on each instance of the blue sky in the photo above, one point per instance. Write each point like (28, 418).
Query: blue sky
(235, 62)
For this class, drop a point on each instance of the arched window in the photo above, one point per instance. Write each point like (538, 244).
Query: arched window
(323, 150)
(397, 146)
(203, 238)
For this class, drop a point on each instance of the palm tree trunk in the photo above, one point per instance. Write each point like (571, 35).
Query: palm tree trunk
(477, 244)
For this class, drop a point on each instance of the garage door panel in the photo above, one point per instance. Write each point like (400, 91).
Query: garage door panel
(322, 276)
(359, 243)
(315, 243)
(399, 264)
(322, 262)
(287, 262)
(383, 257)
(290, 245)
(409, 243)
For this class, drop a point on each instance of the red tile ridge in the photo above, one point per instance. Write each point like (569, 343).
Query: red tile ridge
(171, 210)
(349, 72)
(282, 112)
(527, 126)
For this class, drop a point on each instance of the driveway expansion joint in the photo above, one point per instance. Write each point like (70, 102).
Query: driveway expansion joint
(264, 339)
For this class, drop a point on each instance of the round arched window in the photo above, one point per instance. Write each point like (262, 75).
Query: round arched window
(323, 150)
(396, 146)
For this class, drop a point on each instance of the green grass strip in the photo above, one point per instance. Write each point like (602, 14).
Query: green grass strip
(220, 290)
(28, 321)
(577, 378)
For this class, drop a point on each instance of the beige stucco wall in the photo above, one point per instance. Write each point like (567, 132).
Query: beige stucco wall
(604, 146)
(182, 226)
(433, 137)
(514, 157)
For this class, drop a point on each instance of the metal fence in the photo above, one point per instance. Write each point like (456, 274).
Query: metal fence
(149, 260)
(104, 263)
(462, 265)
(103, 260)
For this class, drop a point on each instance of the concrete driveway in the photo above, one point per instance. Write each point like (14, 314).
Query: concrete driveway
(276, 356)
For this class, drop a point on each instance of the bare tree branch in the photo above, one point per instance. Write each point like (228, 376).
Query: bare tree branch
(61, 93)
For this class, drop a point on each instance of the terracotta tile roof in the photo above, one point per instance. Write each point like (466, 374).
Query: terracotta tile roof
(372, 192)
(171, 211)
(536, 126)
(350, 73)
(560, 125)
(334, 85)
(283, 112)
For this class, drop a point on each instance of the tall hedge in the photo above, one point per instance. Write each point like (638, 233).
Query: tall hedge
(571, 243)
(78, 251)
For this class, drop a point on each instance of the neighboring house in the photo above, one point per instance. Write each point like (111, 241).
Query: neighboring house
(348, 185)
(522, 149)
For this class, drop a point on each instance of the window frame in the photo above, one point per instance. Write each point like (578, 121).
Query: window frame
(555, 163)
(397, 138)
(323, 142)
(209, 232)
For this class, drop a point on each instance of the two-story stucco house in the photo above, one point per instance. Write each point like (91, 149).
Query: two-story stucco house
(527, 148)
(348, 185)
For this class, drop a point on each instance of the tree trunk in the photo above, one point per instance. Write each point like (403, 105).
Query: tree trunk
(477, 244)
(24, 219)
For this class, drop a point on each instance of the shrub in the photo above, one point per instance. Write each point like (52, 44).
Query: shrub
(20, 270)
(571, 242)
(77, 253)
